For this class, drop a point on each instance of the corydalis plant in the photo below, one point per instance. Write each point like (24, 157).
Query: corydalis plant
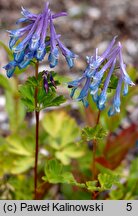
(96, 80)
(31, 41)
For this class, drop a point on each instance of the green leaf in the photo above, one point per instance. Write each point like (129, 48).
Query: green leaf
(97, 132)
(23, 187)
(32, 81)
(133, 176)
(15, 110)
(17, 154)
(64, 126)
(5, 157)
(117, 194)
(22, 164)
(69, 152)
(27, 92)
(57, 100)
(18, 145)
(28, 104)
(107, 180)
(55, 173)
(92, 186)
(27, 96)
(62, 137)
(131, 188)
(52, 100)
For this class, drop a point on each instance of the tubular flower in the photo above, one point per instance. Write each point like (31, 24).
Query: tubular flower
(31, 42)
(97, 76)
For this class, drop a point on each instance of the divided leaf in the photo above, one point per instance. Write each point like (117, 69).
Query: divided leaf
(44, 99)
(62, 137)
(17, 154)
(106, 181)
(55, 173)
(95, 133)
(27, 96)
(92, 186)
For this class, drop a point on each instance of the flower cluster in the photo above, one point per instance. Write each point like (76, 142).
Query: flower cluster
(31, 41)
(92, 78)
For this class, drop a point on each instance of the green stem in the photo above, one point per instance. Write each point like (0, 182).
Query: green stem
(94, 157)
(98, 117)
(93, 160)
(36, 135)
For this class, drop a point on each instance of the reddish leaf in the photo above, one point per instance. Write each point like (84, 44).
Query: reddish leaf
(118, 146)
(103, 161)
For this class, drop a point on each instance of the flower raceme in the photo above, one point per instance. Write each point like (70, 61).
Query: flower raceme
(31, 41)
(98, 73)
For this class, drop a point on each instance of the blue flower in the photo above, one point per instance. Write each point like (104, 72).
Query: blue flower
(92, 82)
(125, 76)
(69, 55)
(18, 57)
(75, 84)
(115, 108)
(85, 89)
(53, 56)
(10, 68)
(31, 42)
(103, 96)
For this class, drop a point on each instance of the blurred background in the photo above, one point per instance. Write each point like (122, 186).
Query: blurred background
(89, 24)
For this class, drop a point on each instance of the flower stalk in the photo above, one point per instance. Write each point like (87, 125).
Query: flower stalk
(36, 135)
(94, 194)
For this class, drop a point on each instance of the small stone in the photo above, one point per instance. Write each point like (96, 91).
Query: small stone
(75, 11)
(3, 116)
(4, 126)
(131, 46)
(44, 152)
(2, 101)
(102, 46)
(94, 13)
